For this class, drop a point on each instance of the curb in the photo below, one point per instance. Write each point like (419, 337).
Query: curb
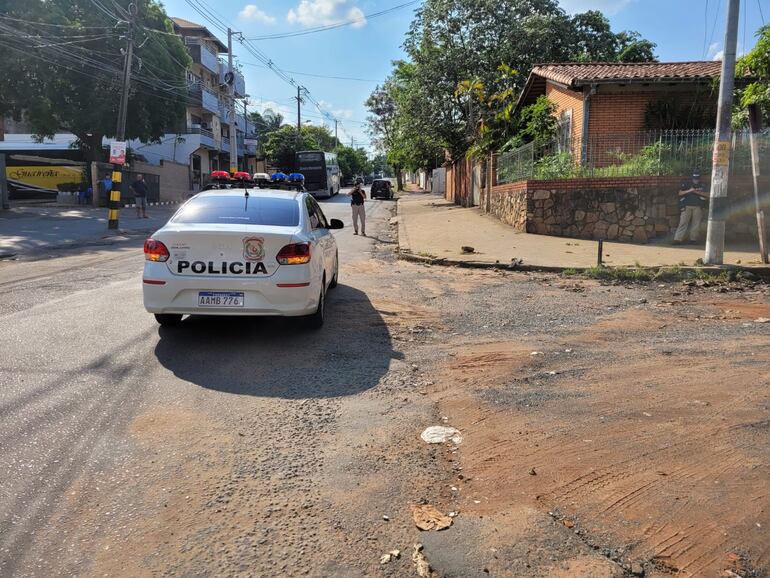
(404, 253)
(158, 204)
(763, 271)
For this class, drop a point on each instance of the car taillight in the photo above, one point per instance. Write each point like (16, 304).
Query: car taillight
(294, 254)
(155, 251)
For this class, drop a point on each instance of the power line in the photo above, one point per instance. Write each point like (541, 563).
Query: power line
(705, 28)
(316, 75)
(75, 26)
(761, 15)
(350, 22)
(716, 17)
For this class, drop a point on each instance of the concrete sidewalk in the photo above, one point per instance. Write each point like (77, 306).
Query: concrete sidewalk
(430, 226)
(34, 228)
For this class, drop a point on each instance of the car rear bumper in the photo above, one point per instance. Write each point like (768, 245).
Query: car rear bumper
(167, 293)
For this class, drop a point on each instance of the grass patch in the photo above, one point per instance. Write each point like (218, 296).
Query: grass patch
(638, 274)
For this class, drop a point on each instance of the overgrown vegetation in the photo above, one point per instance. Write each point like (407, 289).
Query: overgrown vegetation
(638, 274)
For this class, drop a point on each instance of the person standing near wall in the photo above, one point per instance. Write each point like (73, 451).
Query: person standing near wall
(357, 198)
(140, 196)
(693, 199)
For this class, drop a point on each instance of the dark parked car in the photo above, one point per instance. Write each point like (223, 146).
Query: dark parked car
(348, 181)
(381, 188)
(368, 179)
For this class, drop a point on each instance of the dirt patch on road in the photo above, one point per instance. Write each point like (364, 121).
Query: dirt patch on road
(631, 433)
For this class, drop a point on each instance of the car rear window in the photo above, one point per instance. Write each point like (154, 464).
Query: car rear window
(245, 210)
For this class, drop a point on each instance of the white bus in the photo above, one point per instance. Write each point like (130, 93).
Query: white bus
(321, 172)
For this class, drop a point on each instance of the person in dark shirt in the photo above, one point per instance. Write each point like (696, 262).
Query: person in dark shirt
(140, 195)
(692, 203)
(357, 197)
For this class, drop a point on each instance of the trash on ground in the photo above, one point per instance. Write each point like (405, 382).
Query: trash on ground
(467, 249)
(421, 565)
(439, 434)
(427, 517)
(392, 555)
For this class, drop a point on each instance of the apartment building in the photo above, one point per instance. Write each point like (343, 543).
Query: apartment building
(200, 140)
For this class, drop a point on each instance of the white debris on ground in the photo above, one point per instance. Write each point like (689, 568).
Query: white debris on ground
(439, 434)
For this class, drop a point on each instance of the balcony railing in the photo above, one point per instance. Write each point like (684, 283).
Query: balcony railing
(201, 131)
(239, 83)
(202, 55)
(204, 98)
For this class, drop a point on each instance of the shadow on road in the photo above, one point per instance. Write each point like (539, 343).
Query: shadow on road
(278, 357)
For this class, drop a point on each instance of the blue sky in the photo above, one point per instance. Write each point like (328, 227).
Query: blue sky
(682, 29)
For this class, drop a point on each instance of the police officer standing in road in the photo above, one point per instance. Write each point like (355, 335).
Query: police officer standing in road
(357, 197)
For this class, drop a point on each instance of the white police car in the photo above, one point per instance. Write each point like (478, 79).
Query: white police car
(242, 252)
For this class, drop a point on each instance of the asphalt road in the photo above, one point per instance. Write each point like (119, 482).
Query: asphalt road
(130, 449)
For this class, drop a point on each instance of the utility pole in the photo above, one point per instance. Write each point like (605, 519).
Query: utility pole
(755, 118)
(299, 116)
(113, 213)
(233, 134)
(715, 237)
(245, 133)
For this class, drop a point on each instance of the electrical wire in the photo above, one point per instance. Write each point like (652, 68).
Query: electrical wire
(327, 27)
(315, 75)
(761, 15)
(705, 28)
(75, 26)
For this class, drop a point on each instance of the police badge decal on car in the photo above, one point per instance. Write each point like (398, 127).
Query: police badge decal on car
(253, 248)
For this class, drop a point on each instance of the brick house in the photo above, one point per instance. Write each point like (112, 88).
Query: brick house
(597, 99)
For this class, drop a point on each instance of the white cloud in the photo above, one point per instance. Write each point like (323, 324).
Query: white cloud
(714, 49)
(310, 13)
(719, 55)
(338, 113)
(251, 13)
(609, 7)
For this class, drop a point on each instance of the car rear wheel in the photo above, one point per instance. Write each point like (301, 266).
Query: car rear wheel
(168, 319)
(316, 320)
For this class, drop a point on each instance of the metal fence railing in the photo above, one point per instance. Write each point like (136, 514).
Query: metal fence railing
(659, 153)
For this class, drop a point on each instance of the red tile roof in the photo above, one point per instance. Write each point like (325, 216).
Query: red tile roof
(577, 74)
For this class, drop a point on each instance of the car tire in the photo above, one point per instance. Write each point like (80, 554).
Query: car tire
(316, 320)
(168, 319)
(333, 283)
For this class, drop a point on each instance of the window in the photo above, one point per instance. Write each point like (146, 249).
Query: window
(321, 217)
(565, 131)
(239, 210)
(315, 222)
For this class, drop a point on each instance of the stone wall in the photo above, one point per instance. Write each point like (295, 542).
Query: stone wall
(509, 204)
(621, 209)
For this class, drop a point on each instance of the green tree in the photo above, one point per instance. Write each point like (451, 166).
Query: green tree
(281, 145)
(63, 70)
(756, 63)
(453, 44)
(352, 161)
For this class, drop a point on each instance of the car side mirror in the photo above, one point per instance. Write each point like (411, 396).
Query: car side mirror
(336, 224)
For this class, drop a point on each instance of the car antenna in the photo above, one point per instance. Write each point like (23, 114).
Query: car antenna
(246, 196)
